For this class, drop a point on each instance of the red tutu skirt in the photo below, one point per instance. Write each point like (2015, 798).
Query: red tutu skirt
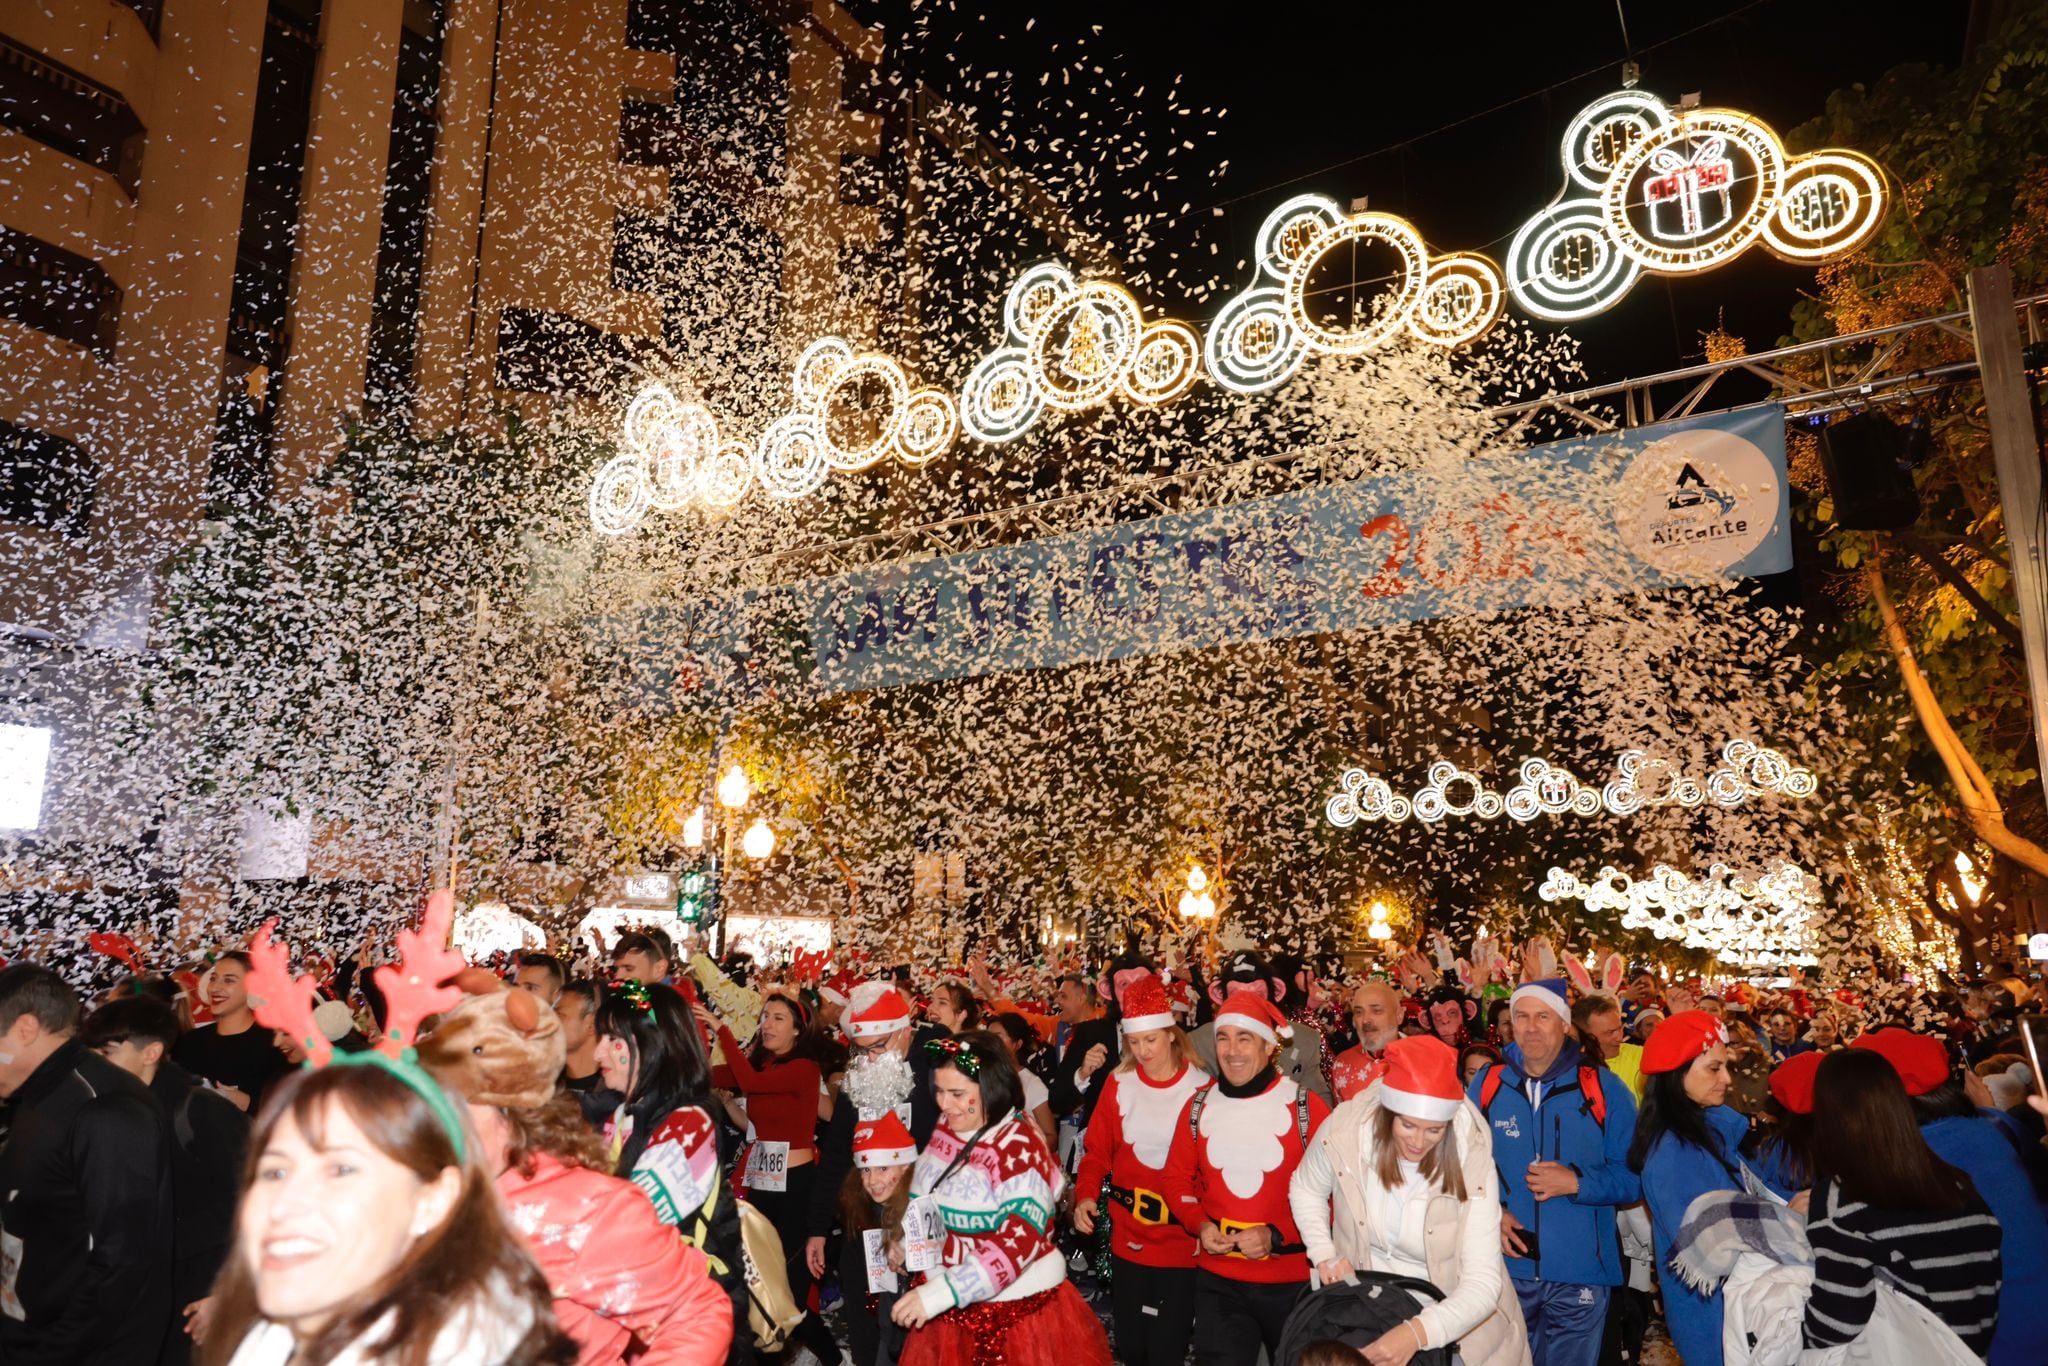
(1053, 1328)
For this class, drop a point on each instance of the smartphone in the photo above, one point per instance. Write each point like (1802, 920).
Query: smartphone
(2033, 1028)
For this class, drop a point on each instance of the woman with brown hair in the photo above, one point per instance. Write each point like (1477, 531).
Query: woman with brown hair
(872, 1202)
(370, 1233)
(1400, 1181)
(1885, 1207)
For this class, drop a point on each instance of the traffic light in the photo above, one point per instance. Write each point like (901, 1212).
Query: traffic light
(695, 896)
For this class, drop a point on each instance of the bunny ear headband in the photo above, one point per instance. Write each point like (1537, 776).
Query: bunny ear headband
(413, 990)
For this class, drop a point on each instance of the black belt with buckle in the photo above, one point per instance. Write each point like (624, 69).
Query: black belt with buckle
(1147, 1207)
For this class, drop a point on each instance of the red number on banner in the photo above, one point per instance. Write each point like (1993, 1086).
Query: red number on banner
(1506, 541)
(1432, 568)
(1388, 583)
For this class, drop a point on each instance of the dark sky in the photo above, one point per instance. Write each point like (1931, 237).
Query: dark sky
(1448, 114)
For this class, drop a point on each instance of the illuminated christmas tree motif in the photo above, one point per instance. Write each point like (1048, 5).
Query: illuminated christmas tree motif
(1084, 357)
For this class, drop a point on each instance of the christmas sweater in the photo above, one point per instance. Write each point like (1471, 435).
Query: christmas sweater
(1235, 1172)
(1354, 1070)
(679, 1166)
(997, 1207)
(1128, 1140)
(618, 1276)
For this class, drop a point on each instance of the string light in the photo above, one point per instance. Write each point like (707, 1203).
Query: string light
(847, 378)
(1168, 362)
(1830, 203)
(1462, 298)
(789, 462)
(1761, 921)
(999, 402)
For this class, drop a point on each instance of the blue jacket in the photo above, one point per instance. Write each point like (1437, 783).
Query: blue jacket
(1980, 1150)
(1676, 1173)
(1576, 1242)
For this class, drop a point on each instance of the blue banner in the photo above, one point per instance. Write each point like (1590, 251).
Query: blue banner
(1681, 503)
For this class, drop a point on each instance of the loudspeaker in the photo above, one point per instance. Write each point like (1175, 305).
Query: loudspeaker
(1865, 460)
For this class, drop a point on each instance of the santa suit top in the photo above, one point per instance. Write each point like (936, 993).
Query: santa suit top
(997, 1207)
(1237, 1172)
(618, 1274)
(1128, 1139)
(1354, 1070)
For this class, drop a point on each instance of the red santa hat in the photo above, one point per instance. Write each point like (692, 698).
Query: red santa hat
(1421, 1080)
(1920, 1061)
(1181, 996)
(883, 1142)
(1249, 1010)
(839, 987)
(874, 1010)
(1145, 1006)
(1792, 1081)
(1680, 1038)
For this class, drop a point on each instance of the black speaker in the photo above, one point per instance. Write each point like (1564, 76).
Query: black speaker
(1866, 462)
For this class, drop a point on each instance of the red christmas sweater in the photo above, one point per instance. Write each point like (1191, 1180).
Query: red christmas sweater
(782, 1098)
(1236, 1173)
(1128, 1141)
(1354, 1070)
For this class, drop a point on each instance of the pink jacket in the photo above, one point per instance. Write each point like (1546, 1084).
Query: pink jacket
(618, 1274)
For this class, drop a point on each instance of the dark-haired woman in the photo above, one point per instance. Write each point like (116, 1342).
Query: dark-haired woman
(663, 1137)
(872, 1199)
(371, 1233)
(1016, 1031)
(1883, 1202)
(1000, 1293)
(784, 1084)
(1687, 1142)
(232, 1052)
(954, 1008)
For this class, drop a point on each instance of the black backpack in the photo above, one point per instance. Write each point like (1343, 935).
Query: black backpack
(1359, 1315)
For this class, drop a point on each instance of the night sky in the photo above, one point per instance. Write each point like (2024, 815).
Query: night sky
(1447, 114)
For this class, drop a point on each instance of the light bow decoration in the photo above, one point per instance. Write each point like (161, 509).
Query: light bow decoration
(1069, 345)
(673, 456)
(1261, 337)
(1674, 192)
(1748, 770)
(1760, 921)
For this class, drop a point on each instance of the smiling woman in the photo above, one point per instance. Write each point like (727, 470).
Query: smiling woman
(365, 1237)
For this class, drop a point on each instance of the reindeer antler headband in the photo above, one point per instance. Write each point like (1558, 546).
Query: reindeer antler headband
(413, 990)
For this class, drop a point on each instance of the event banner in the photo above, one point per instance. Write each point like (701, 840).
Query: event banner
(1680, 503)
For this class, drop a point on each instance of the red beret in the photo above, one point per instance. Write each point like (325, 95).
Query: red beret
(1680, 1038)
(1792, 1081)
(1921, 1062)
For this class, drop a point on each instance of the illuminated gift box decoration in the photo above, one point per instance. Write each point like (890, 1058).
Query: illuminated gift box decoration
(1689, 195)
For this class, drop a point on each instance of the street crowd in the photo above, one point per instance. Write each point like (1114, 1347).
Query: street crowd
(644, 1155)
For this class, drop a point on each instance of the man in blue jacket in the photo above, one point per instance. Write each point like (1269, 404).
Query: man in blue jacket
(1561, 1129)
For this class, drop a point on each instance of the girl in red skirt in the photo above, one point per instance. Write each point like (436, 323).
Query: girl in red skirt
(1000, 1295)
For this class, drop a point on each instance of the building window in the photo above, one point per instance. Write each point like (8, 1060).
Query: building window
(24, 764)
(59, 292)
(71, 113)
(45, 481)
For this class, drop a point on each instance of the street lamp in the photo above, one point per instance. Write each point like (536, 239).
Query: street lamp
(1196, 903)
(733, 789)
(693, 829)
(1379, 930)
(759, 841)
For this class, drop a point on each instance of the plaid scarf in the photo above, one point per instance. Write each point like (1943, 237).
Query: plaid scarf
(1722, 1225)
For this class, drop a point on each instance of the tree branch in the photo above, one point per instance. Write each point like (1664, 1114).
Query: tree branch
(1931, 556)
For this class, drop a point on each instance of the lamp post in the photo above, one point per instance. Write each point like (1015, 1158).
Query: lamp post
(1197, 904)
(1377, 928)
(732, 792)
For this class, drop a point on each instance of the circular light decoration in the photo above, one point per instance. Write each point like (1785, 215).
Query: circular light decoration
(790, 458)
(678, 449)
(1561, 265)
(1033, 296)
(1289, 229)
(1547, 790)
(930, 423)
(1694, 193)
(725, 477)
(619, 495)
(815, 368)
(1607, 130)
(999, 401)
(1392, 311)
(844, 381)
(1365, 797)
(1461, 301)
(1454, 792)
(1168, 362)
(1254, 345)
(652, 409)
(1830, 203)
(1083, 345)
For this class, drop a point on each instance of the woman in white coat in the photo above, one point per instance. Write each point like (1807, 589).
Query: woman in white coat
(1400, 1180)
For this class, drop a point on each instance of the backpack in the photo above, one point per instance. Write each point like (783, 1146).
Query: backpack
(1358, 1314)
(1589, 1087)
(1201, 1098)
(772, 1310)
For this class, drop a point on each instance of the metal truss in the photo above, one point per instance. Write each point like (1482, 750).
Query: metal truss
(1858, 369)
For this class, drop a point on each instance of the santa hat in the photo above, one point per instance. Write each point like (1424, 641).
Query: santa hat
(1421, 1080)
(874, 1010)
(883, 1142)
(1545, 991)
(1920, 1061)
(1680, 1038)
(840, 986)
(1181, 996)
(1249, 1010)
(335, 1020)
(1792, 1081)
(1145, 1006)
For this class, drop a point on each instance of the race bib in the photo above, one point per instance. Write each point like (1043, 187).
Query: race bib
(768, 1166)
(881, 1279)
(10, 1268)
(924, 1236)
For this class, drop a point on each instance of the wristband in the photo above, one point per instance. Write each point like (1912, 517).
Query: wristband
(1420, 1345)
